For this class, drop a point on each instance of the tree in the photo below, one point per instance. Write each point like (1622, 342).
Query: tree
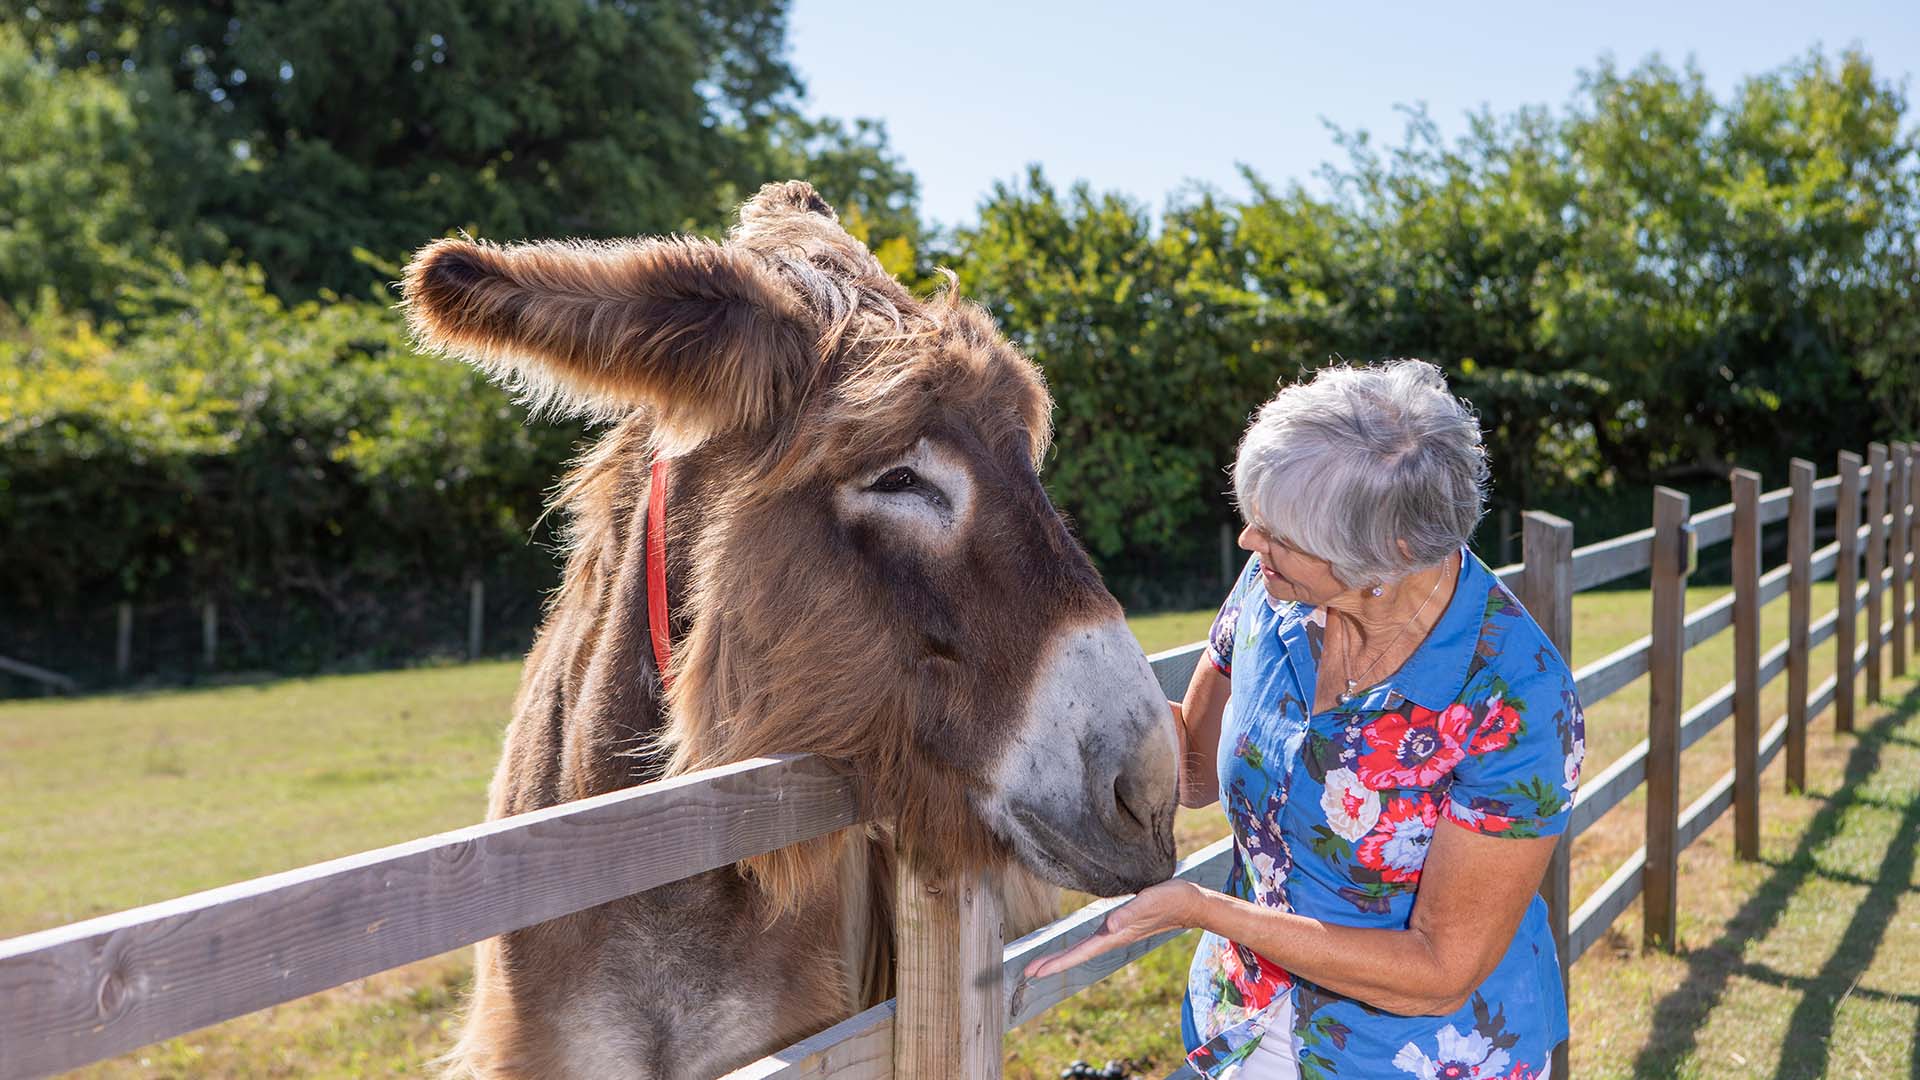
(1144, 340)
(78, 179)
(362, 123)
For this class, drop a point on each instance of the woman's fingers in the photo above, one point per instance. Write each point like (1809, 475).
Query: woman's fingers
(1157, 908)
(1102, 940)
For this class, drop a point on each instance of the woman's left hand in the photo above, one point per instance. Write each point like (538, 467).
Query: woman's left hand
(1170, 905)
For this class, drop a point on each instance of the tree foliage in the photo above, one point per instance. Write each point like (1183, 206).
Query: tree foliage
(1650, 285)
(205, 392)
(331, 125)
(218, 443)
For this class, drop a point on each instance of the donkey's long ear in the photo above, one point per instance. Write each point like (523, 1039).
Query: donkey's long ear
(703, 334)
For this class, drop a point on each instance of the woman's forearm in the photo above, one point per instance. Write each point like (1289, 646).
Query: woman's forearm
(1398, 971)
(1199, 722)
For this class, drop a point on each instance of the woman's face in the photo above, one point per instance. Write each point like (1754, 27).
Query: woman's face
(1292, 574)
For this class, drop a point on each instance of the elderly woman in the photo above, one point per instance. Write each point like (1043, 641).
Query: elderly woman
(1396, 743)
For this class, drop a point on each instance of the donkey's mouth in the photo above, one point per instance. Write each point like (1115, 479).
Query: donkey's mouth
(1047, 849)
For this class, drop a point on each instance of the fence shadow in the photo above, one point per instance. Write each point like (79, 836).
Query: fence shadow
(1683, 1012)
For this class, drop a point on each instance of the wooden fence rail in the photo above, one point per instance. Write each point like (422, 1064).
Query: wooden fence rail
(80, 993)
(87, 991)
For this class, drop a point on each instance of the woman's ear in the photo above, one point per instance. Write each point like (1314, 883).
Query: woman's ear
(703, 334)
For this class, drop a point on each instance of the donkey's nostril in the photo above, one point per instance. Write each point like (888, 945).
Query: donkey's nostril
(1121, 802)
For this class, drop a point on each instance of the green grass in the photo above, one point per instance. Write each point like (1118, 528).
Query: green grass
(1800, 965)
(1166, 630)
(122, 800)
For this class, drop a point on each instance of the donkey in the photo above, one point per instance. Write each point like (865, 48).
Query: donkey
(859, 562)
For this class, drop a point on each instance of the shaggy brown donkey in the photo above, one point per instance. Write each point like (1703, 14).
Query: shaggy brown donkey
(859, 562)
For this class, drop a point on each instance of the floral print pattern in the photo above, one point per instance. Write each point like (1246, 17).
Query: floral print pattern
(1397, 847)
(1414, 747)
(1479, 1053)
(1333, 814)
(1351, 807)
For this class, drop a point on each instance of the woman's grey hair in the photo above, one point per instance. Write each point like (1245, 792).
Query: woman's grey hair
(1359, 460)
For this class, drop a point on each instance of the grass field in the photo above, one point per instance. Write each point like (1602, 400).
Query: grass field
(1803, 964)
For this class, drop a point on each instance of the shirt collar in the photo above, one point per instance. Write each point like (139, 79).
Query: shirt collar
(1433, 675)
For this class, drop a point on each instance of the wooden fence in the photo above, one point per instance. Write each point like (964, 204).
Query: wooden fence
(88, 991)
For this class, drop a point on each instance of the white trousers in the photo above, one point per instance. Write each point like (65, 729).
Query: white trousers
(1273, 1059)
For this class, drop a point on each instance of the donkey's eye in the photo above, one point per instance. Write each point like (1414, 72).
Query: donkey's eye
(897, 479)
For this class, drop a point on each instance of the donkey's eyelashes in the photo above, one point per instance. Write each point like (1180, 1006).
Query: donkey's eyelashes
(898, 479)
(902, 480)
(920, 499)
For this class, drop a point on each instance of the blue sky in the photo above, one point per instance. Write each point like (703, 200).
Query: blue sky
(1139, 97)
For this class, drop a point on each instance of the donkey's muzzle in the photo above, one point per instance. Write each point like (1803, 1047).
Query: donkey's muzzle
(1086, 795)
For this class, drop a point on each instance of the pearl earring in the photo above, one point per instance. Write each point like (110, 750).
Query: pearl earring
(1377, 590)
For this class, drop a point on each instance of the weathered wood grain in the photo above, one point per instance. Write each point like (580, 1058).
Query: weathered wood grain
(1775, 505)
(1028, 998)
(1898, 468)
(1725, 792)
(1799, 607)
(1597, 564)
(1608, 789)
(1593, 918)
(1604, 677)
(1703, 624)
(1876, 563)
(1664, 668)
(947, 964)
(1174, 668)
(1705, 715)
(1826, 492)
(857, 1048)
(1546, 589)
(104, 986)
(1847, 578)
(1746, 664)
(1712, 526)
(1913, 542)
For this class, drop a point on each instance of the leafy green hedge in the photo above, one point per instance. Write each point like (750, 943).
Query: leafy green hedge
(217, 444)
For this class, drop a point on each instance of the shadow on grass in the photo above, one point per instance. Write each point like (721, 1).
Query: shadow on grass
(1683, 1012)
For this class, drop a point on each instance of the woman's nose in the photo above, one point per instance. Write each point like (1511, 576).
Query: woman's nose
(1249, 539)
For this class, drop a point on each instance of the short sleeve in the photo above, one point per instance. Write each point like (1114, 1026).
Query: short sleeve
(1227, 622)
(1522, 763)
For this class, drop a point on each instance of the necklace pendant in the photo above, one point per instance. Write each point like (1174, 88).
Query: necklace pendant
(1346, 696)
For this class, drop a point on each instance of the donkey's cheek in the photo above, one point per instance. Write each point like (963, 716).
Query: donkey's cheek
(1085, 789)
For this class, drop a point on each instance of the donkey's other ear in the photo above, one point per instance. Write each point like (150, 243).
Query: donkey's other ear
(703, 334)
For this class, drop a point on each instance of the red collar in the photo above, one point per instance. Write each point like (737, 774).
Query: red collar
(657, 571)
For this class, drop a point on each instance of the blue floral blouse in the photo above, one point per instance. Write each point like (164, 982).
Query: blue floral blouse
(1332, 814)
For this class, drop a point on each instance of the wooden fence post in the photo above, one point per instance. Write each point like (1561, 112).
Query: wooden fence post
(1546, 585)
(1746, 664)
(1672, 549)
(123, 640)
(1876, 561)
(1913, 536)
(476, 616)
(1846, 579)
(951, 1014)
(1799, 606)
(1897, 553)
(209, 633)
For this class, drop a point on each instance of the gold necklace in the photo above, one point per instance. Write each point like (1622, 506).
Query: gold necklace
(1346, 645)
